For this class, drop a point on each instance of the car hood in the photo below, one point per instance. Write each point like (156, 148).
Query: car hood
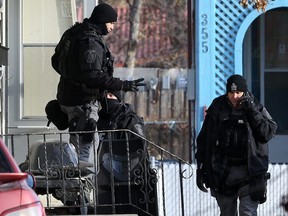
(15, 194)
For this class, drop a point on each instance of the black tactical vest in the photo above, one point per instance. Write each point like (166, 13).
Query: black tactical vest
(233, 135)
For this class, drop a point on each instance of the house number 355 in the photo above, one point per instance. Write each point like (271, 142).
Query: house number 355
(204, 33)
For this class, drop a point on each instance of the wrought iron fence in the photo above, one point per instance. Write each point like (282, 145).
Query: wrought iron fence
(127, 176)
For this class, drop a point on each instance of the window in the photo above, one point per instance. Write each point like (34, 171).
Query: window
(43, 23)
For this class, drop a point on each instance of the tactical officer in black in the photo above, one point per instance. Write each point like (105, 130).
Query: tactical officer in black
(115, 114)
(86, 67)
(232, 150)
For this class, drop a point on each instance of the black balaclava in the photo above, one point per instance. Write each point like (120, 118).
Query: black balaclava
(109, 104)
(102, 14)
(102, 28)
(117, 94)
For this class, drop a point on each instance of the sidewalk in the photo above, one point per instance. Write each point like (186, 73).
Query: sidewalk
(55, 203)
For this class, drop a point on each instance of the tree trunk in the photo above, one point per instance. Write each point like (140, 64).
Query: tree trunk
(134, 20)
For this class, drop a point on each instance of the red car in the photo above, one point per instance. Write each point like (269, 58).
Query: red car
(16, 196)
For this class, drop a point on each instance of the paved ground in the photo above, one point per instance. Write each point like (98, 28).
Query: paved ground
(56, 203)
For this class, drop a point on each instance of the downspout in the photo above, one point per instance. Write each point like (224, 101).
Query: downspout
(191, 76)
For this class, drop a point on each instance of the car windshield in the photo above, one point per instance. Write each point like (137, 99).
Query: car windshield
(4, 163)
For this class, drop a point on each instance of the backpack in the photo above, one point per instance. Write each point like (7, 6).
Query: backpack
(65, 59)
(131, 121)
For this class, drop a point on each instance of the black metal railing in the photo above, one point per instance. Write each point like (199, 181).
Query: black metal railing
(127, 176)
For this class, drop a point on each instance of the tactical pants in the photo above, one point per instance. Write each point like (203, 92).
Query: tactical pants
(86, 150)
(228, 204)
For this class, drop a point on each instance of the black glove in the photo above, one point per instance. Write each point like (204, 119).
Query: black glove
(200, 180)
(247, 102)
(132, 85)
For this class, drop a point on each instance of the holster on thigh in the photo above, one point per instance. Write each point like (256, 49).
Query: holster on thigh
(56, 115)
(258, 187)
(82, 122)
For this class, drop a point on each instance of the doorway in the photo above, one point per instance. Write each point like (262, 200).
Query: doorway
(266, 64)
